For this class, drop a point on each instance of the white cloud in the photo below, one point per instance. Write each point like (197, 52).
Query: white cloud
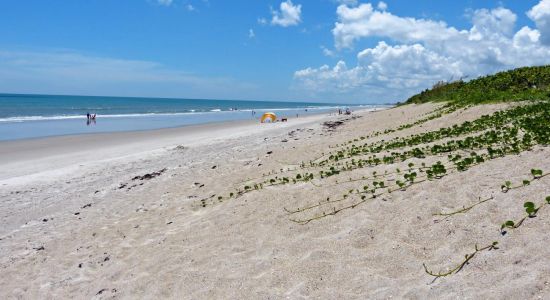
(363, 21)
(382, 5)
(165, 2)
(381, 68)
(526, 37)
(289, 14)
(190, 7)
(419, 52)
(540, 14)
(262, 21)
(251, 33)
(496, 22)
(328, 52)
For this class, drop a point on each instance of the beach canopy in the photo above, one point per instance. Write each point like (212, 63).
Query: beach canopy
(268, 115)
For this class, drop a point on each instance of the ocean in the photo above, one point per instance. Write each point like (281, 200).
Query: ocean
(34, 116)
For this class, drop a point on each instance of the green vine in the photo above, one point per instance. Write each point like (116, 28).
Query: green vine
(463, 263)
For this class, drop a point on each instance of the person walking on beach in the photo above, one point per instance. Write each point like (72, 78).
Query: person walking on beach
(88, 116)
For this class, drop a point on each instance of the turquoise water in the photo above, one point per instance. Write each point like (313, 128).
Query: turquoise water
(32, 116)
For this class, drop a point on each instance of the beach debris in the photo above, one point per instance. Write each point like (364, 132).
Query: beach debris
(213, 167)
(150, 175)
(269, 152)
(141, 208)
(87, 205)
(284, 140)
(332, 125)
(80, 265)
(179, 148)
(101, 291)
(199, 184)
(39, 248)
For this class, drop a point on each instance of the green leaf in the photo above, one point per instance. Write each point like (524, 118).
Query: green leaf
(509, 224)
(529, 204)
(536, 173)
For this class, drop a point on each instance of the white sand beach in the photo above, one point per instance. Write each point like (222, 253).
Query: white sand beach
(137, 215)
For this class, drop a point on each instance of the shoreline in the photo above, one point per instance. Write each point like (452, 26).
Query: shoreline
(39, 127)
(24, 160)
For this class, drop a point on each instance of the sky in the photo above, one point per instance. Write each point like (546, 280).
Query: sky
(344, 51)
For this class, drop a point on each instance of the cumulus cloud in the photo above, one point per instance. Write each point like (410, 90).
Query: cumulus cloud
(418, 52)
(288, 15)
(382, 5)
(381, 67)
(540, 14)
(363, 21)
(251, 33)
(499, 21)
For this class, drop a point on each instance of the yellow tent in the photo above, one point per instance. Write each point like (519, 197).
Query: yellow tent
(269, 115)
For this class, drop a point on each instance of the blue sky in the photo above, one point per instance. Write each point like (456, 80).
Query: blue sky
(323, 50)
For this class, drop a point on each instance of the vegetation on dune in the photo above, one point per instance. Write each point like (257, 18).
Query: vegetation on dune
(351, 170)
(528, 83)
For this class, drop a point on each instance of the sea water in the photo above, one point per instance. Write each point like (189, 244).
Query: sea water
(32, 116)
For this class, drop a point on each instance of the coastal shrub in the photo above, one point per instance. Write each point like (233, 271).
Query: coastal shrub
(528, 83)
